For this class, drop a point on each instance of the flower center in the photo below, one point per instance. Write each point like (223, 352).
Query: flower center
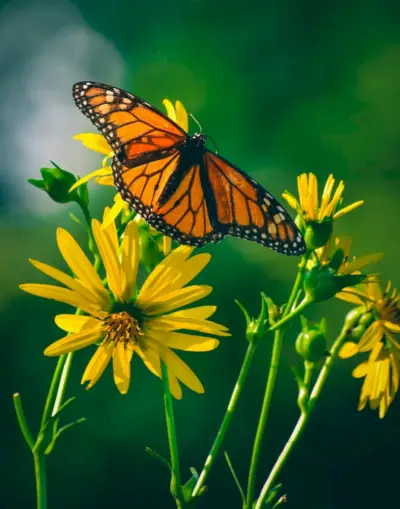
(121, 327)
(388, 309)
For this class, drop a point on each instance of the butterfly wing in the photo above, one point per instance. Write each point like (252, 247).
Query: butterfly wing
(170, 197)
(245, 209)
(137, 132)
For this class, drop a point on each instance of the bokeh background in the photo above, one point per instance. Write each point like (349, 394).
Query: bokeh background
(283, 87)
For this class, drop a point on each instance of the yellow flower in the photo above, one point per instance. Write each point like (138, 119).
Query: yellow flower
(382, 370)
(381, 375)
(126, 321)
(340, 246)
(310, 208)
(98, 143)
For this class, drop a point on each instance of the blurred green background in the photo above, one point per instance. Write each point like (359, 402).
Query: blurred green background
(283, 87)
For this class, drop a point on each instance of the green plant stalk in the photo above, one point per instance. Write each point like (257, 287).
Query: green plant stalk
(303, 419)
(39, 460)
(176, 486)
(226, 419)
(272, 374)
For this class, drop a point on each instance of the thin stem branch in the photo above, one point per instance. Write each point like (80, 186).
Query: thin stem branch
(176, 487)
(226, 419)
(47, 412)
(288, 314)
(26, 432)
(63, 383)
(303, 419)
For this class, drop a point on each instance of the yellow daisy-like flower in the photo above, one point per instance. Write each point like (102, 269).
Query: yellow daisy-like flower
(348, 265)
(98, 143)
(126, 321)
(381, 373)
(382, 370)
(310, 208)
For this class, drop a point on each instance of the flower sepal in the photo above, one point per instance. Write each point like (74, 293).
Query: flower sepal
(311, 342)
(57, 182)
(188, 487)
(322, 282)
(318, 233)
(257, 328)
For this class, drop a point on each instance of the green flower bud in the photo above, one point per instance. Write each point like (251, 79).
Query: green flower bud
(322, 283)
(150, 254)
(57, 183)
(317, 233)
(256, 328)
(311, 344)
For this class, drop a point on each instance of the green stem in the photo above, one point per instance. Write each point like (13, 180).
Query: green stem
(288, 314)
(52, 391)
(63, 382)
(22, 421)
(227, 418)
(303, 419)
(39, 460)
(176, 487)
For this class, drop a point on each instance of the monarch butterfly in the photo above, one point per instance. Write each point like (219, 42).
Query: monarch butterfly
(175, 183)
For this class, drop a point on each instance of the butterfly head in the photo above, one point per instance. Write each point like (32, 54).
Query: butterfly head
(198, 141)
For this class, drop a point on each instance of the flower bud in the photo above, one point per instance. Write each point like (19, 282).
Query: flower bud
(57, 183)
(317, 233)
(311, 343)
(322, 283)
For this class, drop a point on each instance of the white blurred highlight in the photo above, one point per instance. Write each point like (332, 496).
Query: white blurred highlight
(45, 49)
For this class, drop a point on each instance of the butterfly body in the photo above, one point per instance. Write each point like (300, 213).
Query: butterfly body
(175, 183)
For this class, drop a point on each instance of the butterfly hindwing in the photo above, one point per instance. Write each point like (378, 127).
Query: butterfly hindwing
(175, 206)
(136, 131)
(245, 209)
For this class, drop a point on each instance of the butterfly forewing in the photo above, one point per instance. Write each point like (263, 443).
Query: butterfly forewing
(135, 131)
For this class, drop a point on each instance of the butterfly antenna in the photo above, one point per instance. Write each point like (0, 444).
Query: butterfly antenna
(213, 142)
(197, 122)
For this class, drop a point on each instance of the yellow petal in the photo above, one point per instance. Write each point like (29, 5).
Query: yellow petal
(302, 184)
(66, 280)
(312, 196)
(370, 337)
(160, 276)
(177, 366)
(151, 359)
(326, 196)
(174, 386)
(335, 200)
(393, 327)
(292, 201)
(98, 363)
(348, 350)
(95, 142)
(102, 172)
(81, 267)
(170, 109)
(167, 245)
(178, 299)
(130, 259)
(349, 296)
(114, 212)
(190, 343)
(122, 357)
(105, 181)
(168, 323)
(61, 295)
(181, 116)
(74, 342)
(348, 209)
(361, 262)
(110, 259)
(361, 370)
(199, 312)
(76, 323)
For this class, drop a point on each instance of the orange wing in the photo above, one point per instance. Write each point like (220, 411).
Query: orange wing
(245, 209)
(136, 131)
(182, 214)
